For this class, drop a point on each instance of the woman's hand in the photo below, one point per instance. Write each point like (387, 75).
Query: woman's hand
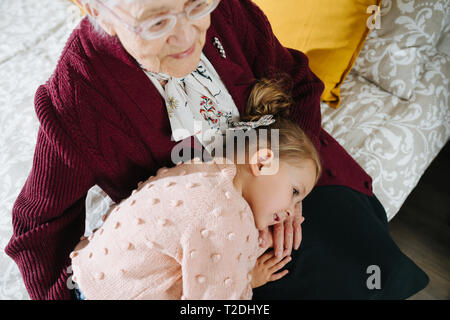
(285, 235)
(266, 267)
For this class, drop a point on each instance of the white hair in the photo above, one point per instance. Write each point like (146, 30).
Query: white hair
(111, 4)
(97, 27)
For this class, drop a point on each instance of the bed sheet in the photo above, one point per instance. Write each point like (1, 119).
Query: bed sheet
(32, 36)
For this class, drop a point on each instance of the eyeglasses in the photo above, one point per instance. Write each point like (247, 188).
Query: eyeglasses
(160, 26)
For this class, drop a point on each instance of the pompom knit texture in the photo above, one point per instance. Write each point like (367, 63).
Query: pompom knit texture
(185, 234)
(102, 122)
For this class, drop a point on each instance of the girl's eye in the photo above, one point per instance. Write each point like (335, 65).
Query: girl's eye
(294, 191)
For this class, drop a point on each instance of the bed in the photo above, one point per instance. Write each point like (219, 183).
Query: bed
(392, 132)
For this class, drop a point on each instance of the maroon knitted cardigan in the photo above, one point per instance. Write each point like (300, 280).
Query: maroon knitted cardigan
(103, 122)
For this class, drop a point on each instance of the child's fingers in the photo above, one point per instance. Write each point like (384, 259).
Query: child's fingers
(279, 275)
(274, 260)
(266, 256)
(279, 265)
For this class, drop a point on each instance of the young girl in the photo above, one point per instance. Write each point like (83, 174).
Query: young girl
(191, 232)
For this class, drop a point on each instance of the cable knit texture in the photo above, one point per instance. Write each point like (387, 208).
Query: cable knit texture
(103, 122)
(185, 234)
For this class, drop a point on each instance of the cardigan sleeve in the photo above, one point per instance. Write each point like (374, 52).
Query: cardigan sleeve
(267, 57)
(49, 214)
(216, 262)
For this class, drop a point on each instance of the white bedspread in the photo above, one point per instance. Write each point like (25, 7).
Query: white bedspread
(32, 36)
(394, 140)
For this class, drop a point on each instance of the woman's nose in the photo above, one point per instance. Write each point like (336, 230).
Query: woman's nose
(183, 34)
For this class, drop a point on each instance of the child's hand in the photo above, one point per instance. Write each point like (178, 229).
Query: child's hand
(266, 267)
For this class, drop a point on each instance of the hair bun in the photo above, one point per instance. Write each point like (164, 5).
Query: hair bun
(268, 97)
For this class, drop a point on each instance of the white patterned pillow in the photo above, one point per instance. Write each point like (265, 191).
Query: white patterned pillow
(393, 55)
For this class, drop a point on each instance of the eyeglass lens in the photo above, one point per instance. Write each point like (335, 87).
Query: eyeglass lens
(195, 11)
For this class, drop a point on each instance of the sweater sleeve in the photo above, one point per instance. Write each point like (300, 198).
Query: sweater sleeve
(216, 261)
(267, 57)
(49, 214)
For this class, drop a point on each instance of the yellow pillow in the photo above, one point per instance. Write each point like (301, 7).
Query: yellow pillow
(331, 33)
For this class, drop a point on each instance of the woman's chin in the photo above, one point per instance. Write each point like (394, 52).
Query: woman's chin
(180, 73)
(180, 68)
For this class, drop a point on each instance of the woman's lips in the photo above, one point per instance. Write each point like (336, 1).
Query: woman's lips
(184, 54)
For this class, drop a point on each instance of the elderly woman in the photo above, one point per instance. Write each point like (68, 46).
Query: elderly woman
(131, 83)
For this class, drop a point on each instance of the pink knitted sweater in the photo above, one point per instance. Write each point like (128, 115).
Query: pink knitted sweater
(186, 233)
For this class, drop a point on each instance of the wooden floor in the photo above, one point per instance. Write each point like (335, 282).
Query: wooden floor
(422, 227)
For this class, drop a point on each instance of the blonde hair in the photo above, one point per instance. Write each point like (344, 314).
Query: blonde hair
(273, 97)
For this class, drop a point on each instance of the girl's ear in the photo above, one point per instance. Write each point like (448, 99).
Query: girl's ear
(263, 162)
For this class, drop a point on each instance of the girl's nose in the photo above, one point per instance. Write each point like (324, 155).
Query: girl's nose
(285, 215)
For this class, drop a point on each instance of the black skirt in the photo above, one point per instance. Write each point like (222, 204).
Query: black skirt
(346, 253)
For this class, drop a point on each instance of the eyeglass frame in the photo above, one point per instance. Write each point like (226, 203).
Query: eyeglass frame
(138, 29)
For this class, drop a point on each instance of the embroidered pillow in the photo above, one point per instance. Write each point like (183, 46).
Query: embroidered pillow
(393, 56)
